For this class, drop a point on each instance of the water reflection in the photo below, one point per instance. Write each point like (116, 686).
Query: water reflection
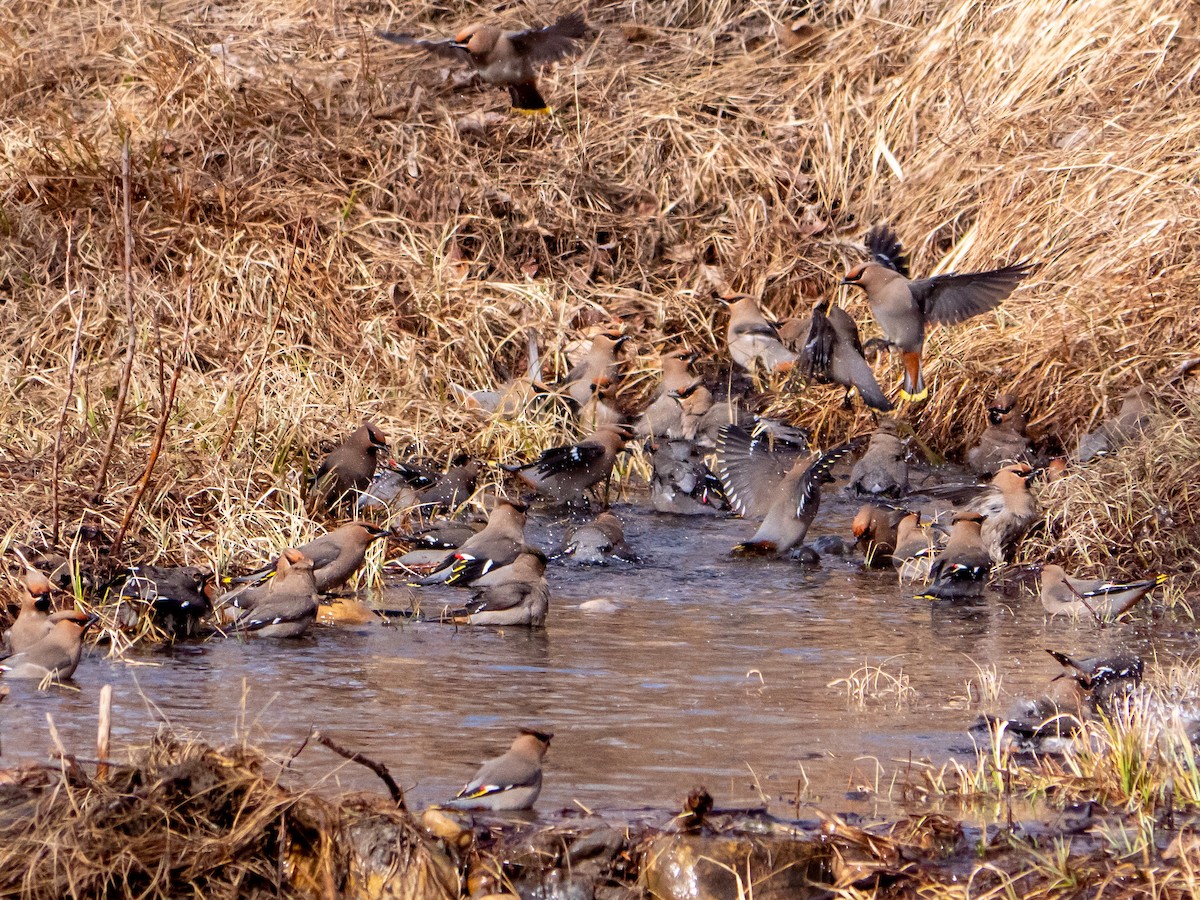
(712, 671)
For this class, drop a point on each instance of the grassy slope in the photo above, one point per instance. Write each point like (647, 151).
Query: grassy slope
(296, 171)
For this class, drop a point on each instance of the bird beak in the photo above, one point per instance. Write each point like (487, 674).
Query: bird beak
(91, 620)
(458, 45)
(845, 281)
(1033, 474)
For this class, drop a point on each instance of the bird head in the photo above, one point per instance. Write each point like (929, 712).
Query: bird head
(1000, 408)
(478, 40)
(870, 276)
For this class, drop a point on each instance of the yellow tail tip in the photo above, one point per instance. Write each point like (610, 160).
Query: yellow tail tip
(925, 597)
(1160, 579)
(919, 397)
(542, 111)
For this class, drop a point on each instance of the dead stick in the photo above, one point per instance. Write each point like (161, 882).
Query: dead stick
(245, 395)
(160, 432)
(71, 365)
(131, 342)
(103, 732)
(378, 768)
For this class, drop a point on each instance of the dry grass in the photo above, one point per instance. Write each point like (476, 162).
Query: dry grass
(356, 236)
(874, 686)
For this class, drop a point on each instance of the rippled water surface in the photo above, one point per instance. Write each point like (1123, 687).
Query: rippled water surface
(713, 671)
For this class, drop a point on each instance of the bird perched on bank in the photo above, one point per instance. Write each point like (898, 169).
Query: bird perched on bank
(500, 542)
(1131, 419)
(598, 541)
(1004, 440)
(663, 418)
(875, 532)
(507, 58)
(58, 652)
(511, 781)
(882, 470)
(601, 408)
(517, 594)
(903, 307)
(830, 350)
(33, 621)
(599, 365)
(680, 480)
(563, 474)
(289, 606)
(348, 469)
(335, 556)
(1064, 594)
(916, 547)
(1009, 507)
(780, 485)
(751, 339)
(960, 570)
(178, 595)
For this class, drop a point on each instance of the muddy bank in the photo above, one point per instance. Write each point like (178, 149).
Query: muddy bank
(187, 818)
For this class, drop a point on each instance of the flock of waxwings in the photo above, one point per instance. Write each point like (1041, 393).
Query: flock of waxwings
(708, 456)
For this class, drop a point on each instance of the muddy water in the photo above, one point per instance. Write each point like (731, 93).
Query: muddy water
(713, 671)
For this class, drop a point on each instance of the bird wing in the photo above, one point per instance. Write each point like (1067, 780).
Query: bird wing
(751, 469)
(498, 775)
(949, 299)
(808, 491)
(494, 599)
(886, 249)
(850, 363)
(274, 614)
(437, 48)
(552, 42)
(321, 554)
(568, 459)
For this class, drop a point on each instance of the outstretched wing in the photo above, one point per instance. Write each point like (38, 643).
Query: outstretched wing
(949, 299)
(886, 249)
(437, 48)
(751, 469)
(817, 473)
(553, 42)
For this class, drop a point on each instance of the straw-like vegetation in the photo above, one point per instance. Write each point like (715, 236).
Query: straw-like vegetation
(352, 230)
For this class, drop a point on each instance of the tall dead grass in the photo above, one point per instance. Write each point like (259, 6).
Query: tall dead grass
(358, 232)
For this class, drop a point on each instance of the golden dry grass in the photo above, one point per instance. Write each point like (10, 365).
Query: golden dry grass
(357, 232)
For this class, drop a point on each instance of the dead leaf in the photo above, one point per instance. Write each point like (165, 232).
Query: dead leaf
(800, 33)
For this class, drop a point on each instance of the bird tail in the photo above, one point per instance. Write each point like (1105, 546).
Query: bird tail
(527, 99)
(1160, 579)
(913, 390)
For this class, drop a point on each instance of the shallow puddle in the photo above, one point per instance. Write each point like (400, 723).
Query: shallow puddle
(713, 671)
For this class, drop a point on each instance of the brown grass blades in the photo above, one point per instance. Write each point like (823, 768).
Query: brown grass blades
(429, 229)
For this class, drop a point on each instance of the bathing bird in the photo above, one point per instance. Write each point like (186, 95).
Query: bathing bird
(516, 594)
(33, 621)
(780, 485)
(903, 307)
(562, 474)
(508, 782)
(510, 59)
(1064, 594)
(882, 470)
(58, 652)
(498, 544)
(960, 569)
(598, 541)
(289, 606)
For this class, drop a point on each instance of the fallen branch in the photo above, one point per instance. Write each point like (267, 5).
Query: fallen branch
(377, 767)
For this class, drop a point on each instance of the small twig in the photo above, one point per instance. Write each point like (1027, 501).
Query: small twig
(378, 768)
(104, 732)
(131, 343)
(62, 414)
(160, 432)
(245, 394)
